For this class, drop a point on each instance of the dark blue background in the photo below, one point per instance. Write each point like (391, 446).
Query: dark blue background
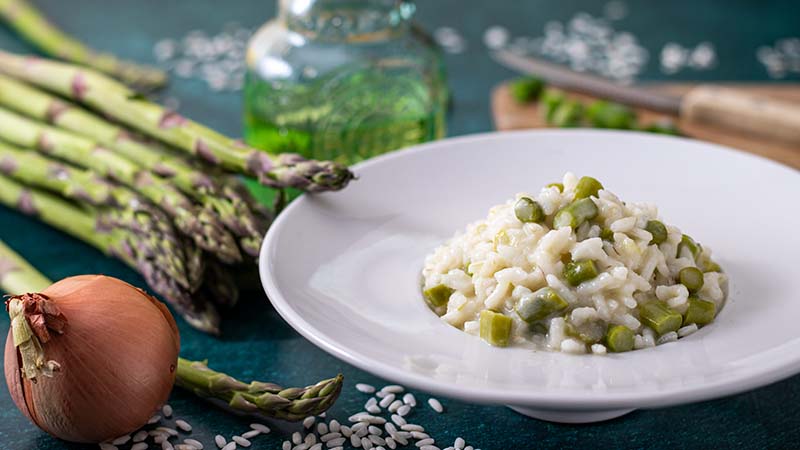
(257, 344)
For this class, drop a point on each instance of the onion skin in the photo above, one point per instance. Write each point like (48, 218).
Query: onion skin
(118, 360)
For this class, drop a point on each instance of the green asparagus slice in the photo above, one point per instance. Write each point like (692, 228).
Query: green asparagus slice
(568, 114)
(619, 338)
(550, 100)
(528, 210)
(660, 317)
(495, 328)
(658, 230)
(699, 312)
(204, 229)
(574, 214)
(526, 89)
(692, 278)
(118, 102)
(607, 235)
(587, 187)
(577, 272)
(558, 186)
(438, 295)
(689, 243)
(539, 305)
(605, 114)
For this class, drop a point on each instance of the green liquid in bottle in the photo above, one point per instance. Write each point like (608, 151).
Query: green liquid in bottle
(348, 116)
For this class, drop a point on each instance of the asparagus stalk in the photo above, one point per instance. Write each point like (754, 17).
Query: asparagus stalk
(115, 237)
(17, 276)
(30, 24)
(127, 209)
(43, 106)
(206, 231)
(119, 102)
(258, 398)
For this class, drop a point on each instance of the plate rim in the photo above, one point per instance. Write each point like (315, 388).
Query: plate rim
(787, 366)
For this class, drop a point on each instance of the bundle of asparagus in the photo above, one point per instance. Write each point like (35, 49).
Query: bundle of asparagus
(164, 197)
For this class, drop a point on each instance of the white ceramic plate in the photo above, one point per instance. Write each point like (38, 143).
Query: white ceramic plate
(344, 269)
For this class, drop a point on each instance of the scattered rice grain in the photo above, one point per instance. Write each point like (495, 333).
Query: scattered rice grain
(183, 425)
(167, 430)
(140, 436)
(365, 388)
(220, 441)
(166, 410)
(399, 420)
(393, 389)
(375, 430)
(260, 427)
(435, 405)
(336, 442)
(412, 427)
(409, 399)
(395, 405)
(193, 442)
(167, 445)
(308, 422)
(403, 410)
(121, 440)
(355, 441)
(386, 401)
(419, 435)
(322, 428)
(251, 434)
(459, 443)
(154, 419)
(424, 442)
(286, 445)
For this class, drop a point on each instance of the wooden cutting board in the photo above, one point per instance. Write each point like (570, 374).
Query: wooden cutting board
(509, 115)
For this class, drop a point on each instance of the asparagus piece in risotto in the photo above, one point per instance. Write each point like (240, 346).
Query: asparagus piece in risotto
(574, 269)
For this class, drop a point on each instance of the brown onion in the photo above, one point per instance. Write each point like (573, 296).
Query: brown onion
(114, 352)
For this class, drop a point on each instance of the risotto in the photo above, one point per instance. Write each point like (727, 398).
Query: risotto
(574, 269)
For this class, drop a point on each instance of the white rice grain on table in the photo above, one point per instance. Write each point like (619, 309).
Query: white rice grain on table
(220, 441)
(167, 445)
(435, 405)
(183, 425)
(166, 410)
(194, 443)
(251, 434)
(365, 388)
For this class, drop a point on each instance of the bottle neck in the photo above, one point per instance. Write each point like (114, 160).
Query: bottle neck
(346, 20)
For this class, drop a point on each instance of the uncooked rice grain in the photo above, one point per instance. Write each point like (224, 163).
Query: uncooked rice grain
(183, 425)
(403, 410)
(393, 389)
(232, 446)
(194, 443)
(435, 405)
(424, 442)
(167, 445)
(220, 440)
(409, 399)
(309, 421)
(260, 427)
(365, 388)
(121, 440)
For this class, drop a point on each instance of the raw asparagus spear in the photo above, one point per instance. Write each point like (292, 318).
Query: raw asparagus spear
(113, 237)
(206, 231)
(119, 102)
(35, 28)
(257, 398)
(17, 276)
(43, 106)
(124, 206)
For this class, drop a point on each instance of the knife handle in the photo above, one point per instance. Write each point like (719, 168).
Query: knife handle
(745, 113)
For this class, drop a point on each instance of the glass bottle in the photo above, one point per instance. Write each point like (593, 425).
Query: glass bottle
(343, 80)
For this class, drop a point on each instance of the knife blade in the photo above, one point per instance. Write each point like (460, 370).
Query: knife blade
(584, 83)
(733, 110)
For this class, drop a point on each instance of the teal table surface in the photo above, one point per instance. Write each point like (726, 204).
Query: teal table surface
(257, 344)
